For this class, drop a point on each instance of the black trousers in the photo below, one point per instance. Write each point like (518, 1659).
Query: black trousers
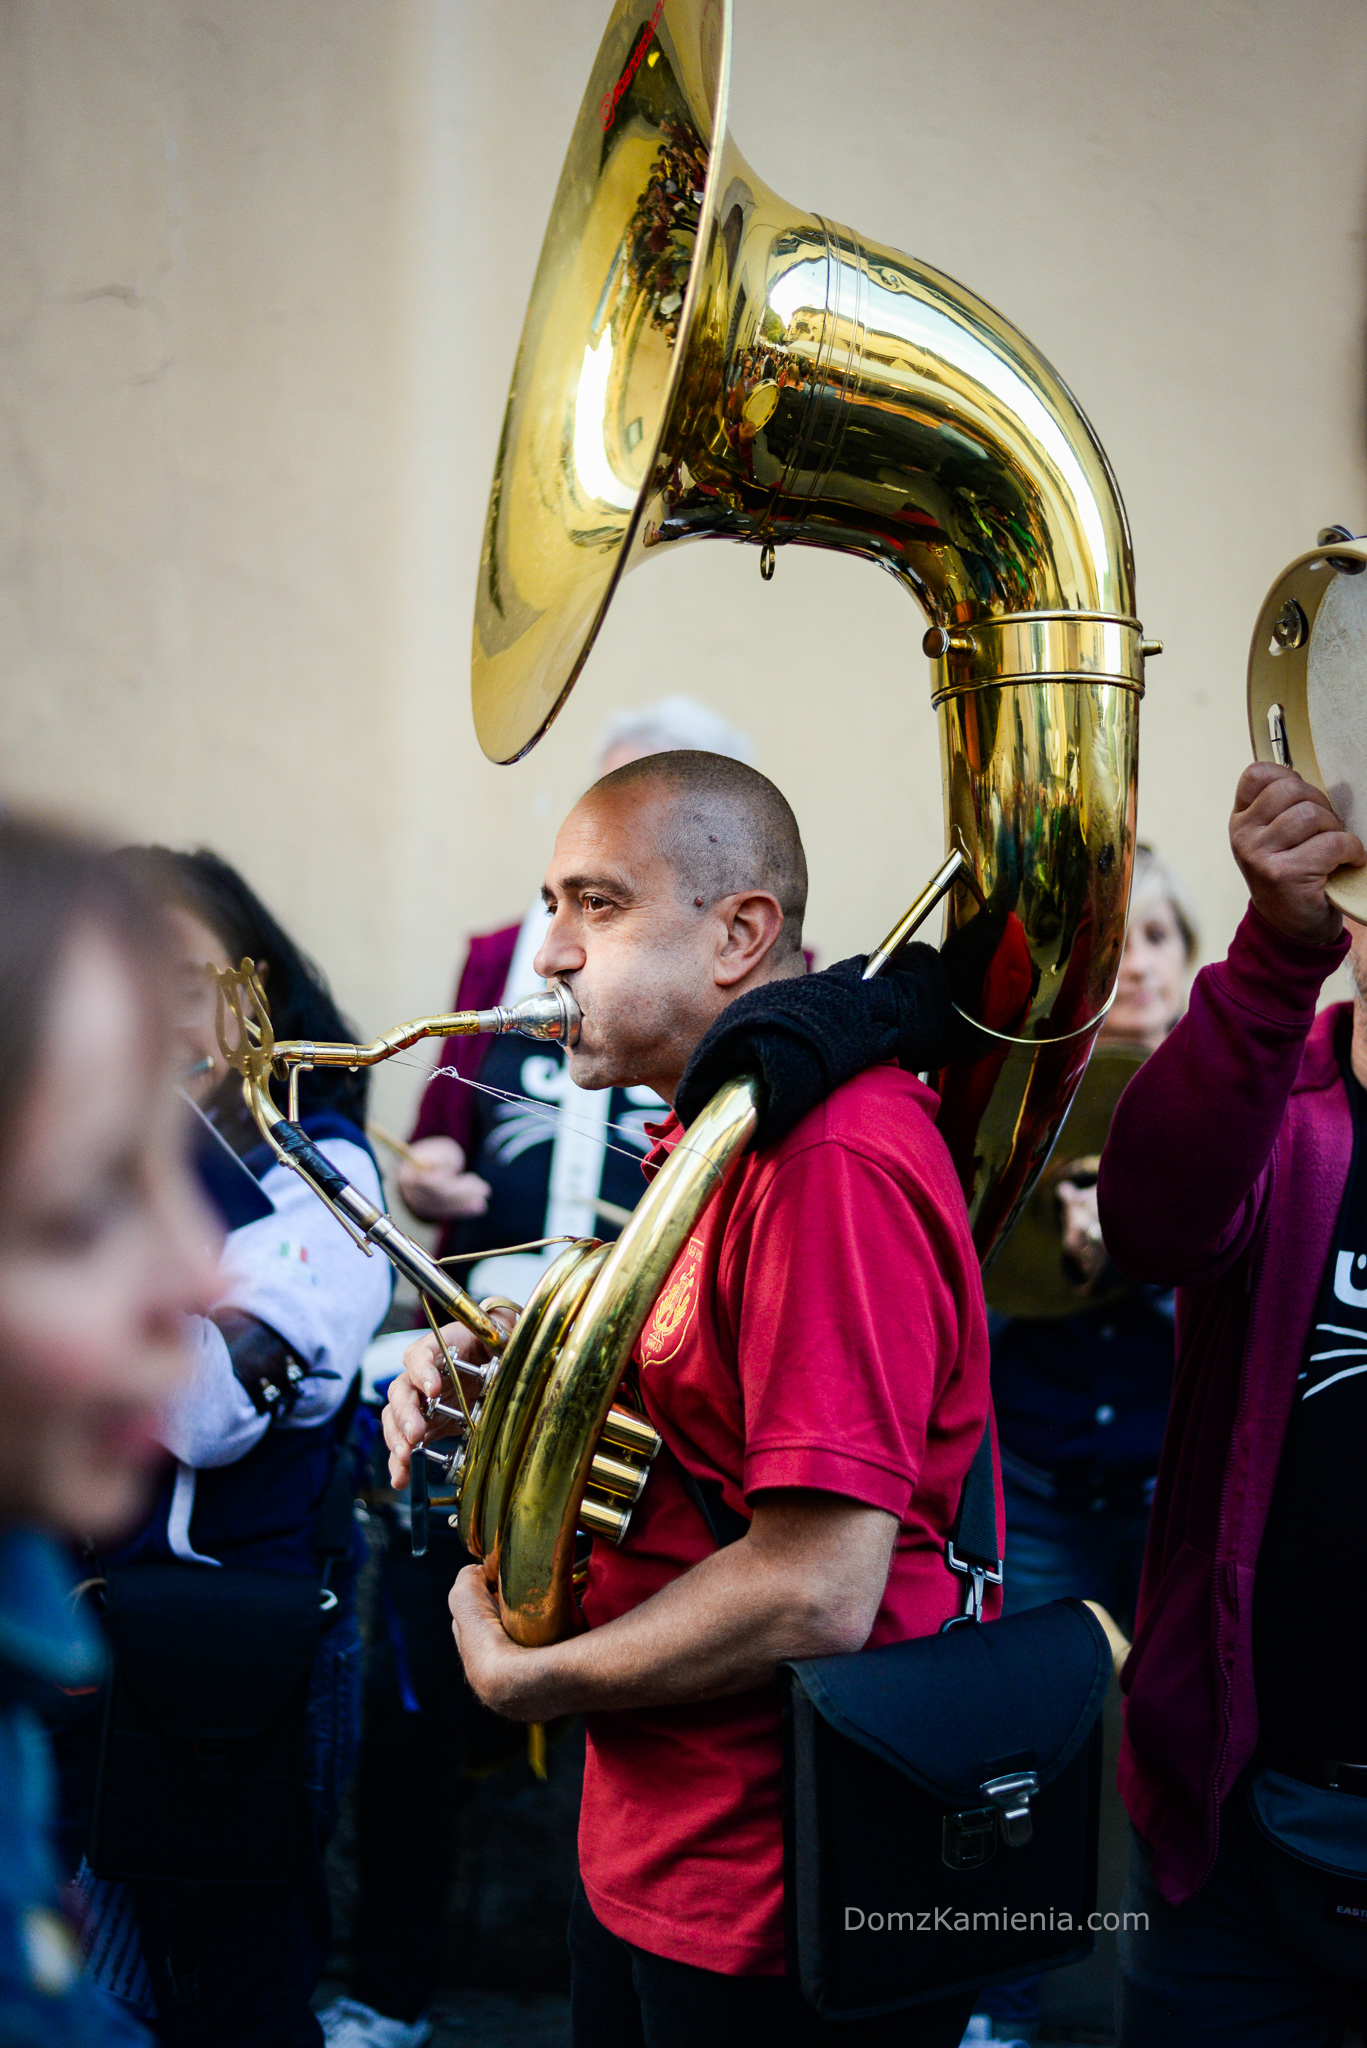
(623, 1997)
(1217, 1971)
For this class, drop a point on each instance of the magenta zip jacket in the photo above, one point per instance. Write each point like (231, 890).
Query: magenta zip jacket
(1222, 1176)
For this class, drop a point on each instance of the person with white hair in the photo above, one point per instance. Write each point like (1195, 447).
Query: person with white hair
(519, 1156)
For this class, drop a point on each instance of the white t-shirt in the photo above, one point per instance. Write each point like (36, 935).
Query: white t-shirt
(299, 1272)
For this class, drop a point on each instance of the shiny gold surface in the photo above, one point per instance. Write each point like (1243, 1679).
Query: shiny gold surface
(486, 1441)
(1027, 1276)
(627, 1431)
(1037, 648)
(614, 1475)
(1039, 783)
(514, 1400)
(911, 920)
(1278, 664)
(602, 1517)
(510, 1427)
(536, 1540)
(701, 360)
(550, 1013)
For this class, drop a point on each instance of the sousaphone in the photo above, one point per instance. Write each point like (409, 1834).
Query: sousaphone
(702, 361)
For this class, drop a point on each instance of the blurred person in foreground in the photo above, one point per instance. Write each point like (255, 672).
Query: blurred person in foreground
(1235, 1169)
(235, 1601)
(493, 1169)
(106, 1247)
(836, 1441)
(1081, 1397)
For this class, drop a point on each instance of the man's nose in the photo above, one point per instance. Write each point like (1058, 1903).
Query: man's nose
(559, 952)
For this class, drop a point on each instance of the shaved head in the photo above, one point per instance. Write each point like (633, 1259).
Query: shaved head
(677, 883)
(726, 830)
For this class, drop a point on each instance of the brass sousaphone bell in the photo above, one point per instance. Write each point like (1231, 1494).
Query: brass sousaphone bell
(702, 361)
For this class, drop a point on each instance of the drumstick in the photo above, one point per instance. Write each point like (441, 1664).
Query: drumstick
(397, 1145)
(611, 1212)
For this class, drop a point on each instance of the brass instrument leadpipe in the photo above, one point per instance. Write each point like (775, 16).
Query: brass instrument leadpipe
(551, 1014)
(295, 1150)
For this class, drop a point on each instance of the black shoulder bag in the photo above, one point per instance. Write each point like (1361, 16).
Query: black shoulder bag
(941, 1796)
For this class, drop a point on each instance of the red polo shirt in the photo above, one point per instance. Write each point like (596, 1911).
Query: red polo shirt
(824, 1328)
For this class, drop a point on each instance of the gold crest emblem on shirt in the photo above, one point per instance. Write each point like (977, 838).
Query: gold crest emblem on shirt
(664, 1333)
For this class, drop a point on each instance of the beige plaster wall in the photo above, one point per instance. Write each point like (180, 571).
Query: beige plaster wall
(262, 274)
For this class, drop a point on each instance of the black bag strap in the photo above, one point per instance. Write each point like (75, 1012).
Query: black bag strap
(972, 1549)
(724, 1525)
(335, 1521)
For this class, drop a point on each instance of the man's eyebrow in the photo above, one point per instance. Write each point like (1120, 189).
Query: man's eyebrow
(602, 885)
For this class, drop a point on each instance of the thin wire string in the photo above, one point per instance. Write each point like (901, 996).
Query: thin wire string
(633, 1153)
(538, 1109)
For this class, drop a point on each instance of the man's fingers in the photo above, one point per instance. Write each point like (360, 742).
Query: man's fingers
(1284, 791)
(400, 1453)
(421, 1367)
(1268, 788)
(406, 1410)
(1312, 858)
(1292, 825)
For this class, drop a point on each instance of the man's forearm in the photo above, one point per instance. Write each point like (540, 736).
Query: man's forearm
(722, 1627)
(719, 1629)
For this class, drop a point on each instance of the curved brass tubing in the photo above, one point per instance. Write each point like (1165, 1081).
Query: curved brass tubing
(537, 1539)
(703, 361)
(516, 1391)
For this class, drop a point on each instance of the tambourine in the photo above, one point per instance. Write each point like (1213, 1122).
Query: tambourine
(1307, 687)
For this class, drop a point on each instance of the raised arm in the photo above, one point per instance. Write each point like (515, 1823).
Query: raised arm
(1184, 1167)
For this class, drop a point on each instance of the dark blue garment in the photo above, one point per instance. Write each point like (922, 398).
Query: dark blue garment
(1054, 1551)
(259, 1513)
(1216, 1972)
(46, 1643)
(1085, 1398)
(234, 1966)
(1081, 1404)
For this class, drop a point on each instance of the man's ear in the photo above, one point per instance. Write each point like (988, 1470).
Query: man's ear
(753, 922)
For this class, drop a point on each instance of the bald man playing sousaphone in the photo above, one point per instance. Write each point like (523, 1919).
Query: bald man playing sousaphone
(817, 1365)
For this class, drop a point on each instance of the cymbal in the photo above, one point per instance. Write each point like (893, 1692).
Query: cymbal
(1027, 1278)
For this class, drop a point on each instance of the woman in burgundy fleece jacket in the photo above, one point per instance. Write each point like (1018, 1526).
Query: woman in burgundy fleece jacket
(1224, 1174)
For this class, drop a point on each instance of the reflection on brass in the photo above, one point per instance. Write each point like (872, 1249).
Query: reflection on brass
(1028, 1276)
(701, 360)
(536, 1552)
(911, 920)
